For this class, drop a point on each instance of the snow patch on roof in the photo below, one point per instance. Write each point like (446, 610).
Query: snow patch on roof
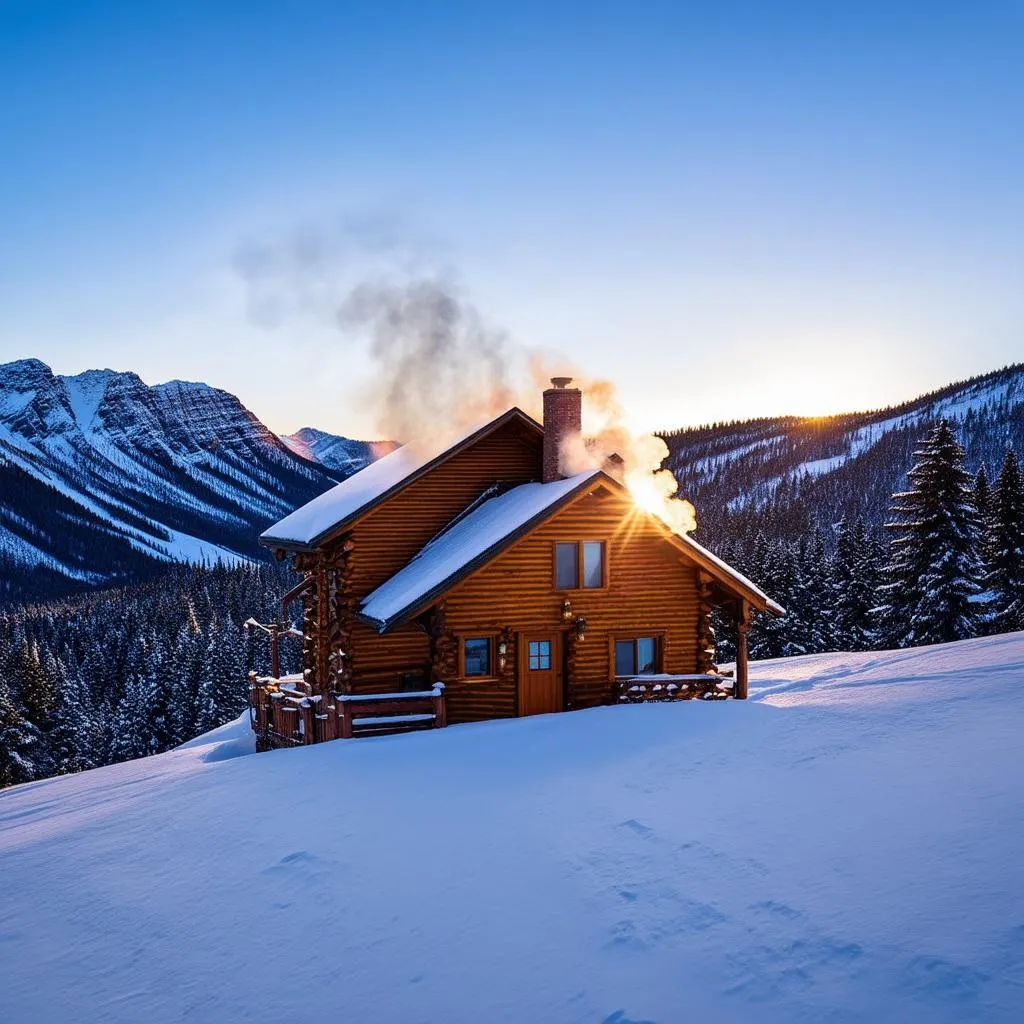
(467, 540)
(343, 500)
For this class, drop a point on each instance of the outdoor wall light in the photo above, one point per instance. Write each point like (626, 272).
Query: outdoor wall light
(581, 627)
(567, 610)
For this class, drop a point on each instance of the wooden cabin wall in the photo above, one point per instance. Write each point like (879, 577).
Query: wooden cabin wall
(390, 535)
(378, 661)
(650, 590)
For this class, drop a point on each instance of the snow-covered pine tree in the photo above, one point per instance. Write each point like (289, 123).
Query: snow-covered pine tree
(981, 492)
(19, 740)
(819, 596)
(1005, 547)
(72, 738)
(37, 696)
(931, 580)
(854, 581)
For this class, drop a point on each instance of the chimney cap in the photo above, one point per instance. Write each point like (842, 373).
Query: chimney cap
(561, 382)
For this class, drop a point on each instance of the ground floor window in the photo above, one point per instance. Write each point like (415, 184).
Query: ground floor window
(637, 656)
(476, 656)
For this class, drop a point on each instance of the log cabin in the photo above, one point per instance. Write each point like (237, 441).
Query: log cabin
(482, 582)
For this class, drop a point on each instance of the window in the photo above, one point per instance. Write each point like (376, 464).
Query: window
(638, 657)
(593, 564)
(476, 656)
(567, 566)
(539, 654)
(574, 556)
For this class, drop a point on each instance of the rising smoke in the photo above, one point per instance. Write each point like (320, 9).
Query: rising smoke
(438, 366)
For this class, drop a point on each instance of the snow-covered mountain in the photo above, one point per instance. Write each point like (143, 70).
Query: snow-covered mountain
(844, 847)
(103, 475)
(334, 452)
(816, 469)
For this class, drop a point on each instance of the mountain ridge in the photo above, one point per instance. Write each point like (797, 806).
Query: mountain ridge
(105, 476)
(786, 475)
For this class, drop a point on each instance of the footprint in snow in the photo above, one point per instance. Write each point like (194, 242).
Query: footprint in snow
(637, 827)
(936, 977)
(298, 859)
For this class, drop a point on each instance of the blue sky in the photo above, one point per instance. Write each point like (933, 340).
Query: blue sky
(731, 209)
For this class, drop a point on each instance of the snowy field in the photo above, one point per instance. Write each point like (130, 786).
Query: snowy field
(847, 846)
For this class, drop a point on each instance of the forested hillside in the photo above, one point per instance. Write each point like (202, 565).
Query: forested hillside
(788, 476)
(131, 671)
(800, 504)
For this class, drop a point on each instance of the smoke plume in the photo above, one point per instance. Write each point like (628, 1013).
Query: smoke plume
(438, 367)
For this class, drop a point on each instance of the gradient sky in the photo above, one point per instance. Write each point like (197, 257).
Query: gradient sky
(732, 209)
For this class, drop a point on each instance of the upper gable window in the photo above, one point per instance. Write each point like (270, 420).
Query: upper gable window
(580, 565)
(567, 566)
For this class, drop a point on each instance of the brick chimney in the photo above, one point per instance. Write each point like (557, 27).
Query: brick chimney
(563, 417)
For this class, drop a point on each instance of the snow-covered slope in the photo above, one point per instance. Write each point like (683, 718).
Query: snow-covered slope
(102, 474)
(840, 464)
(847, 846)
(340, 453)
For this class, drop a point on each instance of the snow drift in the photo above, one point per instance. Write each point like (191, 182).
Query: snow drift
(846, 846)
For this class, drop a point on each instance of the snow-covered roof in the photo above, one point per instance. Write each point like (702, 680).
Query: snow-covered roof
(311, 522)
(343, 500)
(486, 529)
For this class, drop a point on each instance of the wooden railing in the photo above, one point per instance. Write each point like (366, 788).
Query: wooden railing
(284, 713)
(367, 714)
(645, 689)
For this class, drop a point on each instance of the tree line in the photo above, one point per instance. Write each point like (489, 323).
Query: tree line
(946, 564)
(131, 671)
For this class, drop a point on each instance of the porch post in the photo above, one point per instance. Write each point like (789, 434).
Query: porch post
(742, 625)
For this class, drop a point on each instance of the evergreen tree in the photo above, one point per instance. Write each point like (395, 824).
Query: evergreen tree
(18, 741)
(931, 579)
(1005, 547)
(981, 493)
(854, 582)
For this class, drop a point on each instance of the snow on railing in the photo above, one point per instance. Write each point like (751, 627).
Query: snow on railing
(437, 691)
(284, 712)
(661, 687)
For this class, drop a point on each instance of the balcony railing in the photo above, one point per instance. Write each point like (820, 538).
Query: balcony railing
(285, 713)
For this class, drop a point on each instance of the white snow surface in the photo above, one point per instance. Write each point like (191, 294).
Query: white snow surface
(468, 539)
(845, 846)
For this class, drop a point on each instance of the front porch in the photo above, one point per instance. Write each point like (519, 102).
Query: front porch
(284, 712)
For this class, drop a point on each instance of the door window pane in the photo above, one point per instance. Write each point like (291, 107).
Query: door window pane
(540, 655)
(566, 566)
(624, 661)
(646, 656)
(477, 656)
(593, 564)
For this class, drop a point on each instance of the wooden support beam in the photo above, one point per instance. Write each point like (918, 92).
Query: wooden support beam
(742, 627)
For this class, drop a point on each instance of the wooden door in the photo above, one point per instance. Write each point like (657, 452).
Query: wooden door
(540, 674)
